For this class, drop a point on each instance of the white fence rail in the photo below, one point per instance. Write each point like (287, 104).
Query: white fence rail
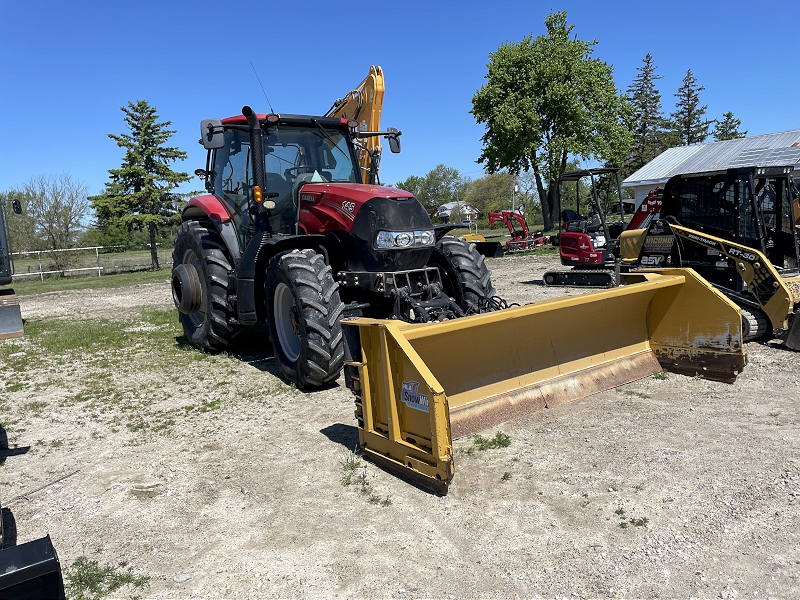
(91, 260)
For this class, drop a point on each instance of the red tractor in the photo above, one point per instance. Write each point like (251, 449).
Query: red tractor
(289, 236)
(521, 239)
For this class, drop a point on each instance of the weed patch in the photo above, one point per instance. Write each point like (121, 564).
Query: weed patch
(87, 580)
(354, 473)
(500, 440)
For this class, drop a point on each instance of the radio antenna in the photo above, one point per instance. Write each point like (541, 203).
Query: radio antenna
(262, 87)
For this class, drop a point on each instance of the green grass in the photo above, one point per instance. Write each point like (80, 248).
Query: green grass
(59, 284)
(85, 579)
(500, 440)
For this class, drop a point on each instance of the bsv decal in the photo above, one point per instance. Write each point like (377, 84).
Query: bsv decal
(348, 206)
(412, 398)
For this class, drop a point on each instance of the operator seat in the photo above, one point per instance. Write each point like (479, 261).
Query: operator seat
(593, 223)
(573, 221)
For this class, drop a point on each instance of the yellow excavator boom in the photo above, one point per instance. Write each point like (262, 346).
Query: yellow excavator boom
(364, 104)
(415, 391)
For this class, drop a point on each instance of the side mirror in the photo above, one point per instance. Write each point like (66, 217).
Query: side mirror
(394, 139)
(16, 206)
(207, 177)
(212, 134)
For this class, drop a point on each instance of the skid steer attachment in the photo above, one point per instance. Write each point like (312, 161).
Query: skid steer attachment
(419, 386)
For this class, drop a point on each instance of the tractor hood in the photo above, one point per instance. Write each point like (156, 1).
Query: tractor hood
(358, 192)
(360, 212)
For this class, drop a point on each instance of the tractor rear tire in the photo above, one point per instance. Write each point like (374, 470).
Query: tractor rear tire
(303, 312)
(212, 327)
(464, 273)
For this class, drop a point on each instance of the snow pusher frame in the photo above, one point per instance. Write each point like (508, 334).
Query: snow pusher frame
(419, 386)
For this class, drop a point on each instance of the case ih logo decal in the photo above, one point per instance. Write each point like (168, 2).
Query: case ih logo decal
(412, 398)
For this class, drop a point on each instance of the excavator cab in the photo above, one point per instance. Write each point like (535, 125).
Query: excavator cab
(588, 240)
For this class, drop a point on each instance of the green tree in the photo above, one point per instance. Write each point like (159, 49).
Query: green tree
(140, 194)
(547, 99)
(441, 184)
(413, 184)
(649, 139)
(728, 128)
(687, 120)
(491, 193)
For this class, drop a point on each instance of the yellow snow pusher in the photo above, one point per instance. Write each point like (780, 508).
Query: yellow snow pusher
(419, 386)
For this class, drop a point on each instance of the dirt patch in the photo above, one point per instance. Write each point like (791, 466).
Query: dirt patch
(215, 478)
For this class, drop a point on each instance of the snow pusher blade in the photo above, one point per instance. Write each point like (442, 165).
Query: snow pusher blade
(10, 316)
(419, 386)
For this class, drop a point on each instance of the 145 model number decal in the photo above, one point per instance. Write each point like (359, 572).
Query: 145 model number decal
(348, 206)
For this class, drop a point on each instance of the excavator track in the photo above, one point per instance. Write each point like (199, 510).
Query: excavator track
(597, 278)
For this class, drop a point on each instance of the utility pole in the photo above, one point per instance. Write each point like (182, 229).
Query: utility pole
(514, 191)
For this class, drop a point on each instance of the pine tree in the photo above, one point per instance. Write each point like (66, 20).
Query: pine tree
(728, 128)
(650, 122)
(140, 194)
(687, 120)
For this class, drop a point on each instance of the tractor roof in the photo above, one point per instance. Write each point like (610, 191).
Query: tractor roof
(333, 123)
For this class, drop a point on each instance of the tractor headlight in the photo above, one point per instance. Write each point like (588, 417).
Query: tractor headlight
(404, 239)
(388, 240)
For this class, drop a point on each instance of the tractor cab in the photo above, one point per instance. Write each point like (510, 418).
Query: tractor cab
(294, 150)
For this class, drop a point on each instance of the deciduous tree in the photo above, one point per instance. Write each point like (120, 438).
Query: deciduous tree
(546, 99)
(141, 193)
(57, 205)
(440, 185)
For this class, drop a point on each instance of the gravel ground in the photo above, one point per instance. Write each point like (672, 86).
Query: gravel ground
(217, 480)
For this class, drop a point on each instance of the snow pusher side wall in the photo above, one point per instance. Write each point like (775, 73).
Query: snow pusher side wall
(10, 315)
(419, 386)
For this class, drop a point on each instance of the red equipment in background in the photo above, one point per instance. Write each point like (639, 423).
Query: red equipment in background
(521, 239)
(591, 243)
(649, 210)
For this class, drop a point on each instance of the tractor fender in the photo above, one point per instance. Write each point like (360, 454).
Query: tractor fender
(210, 207)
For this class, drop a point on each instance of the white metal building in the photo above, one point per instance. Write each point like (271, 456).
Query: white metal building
(772, 149)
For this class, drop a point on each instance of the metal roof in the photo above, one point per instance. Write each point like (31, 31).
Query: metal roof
(772, 149)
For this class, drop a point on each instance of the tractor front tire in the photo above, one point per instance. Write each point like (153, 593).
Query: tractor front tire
(464, 273)
(208, 328)
(303, 311)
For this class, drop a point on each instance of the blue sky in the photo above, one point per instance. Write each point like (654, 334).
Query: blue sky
(68, 67)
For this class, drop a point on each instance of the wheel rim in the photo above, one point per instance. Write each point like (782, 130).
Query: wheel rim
(287, 321)
(196, 318)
